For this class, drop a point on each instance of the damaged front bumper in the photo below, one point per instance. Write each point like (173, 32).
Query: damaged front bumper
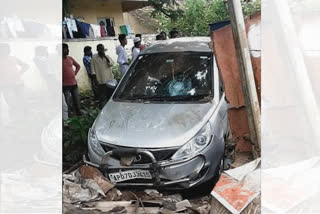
(164, 173)
(171, 174)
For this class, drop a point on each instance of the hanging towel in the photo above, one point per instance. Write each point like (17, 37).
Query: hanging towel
(80, 33)
(64, 30)
(68, 34)
(68, 22)
(129, 29)
(91, 34)
(123, 29)
(72, 26)
(96, 30)
(110, 31)
(103, 31)
(84, 27)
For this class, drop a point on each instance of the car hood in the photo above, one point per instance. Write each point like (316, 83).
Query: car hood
(151, 125)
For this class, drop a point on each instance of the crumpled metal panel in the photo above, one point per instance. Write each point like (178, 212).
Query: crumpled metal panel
(226, 57)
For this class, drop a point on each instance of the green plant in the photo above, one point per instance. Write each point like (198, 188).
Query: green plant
(116, 72)
(168, 8)
(199, 14)
(250, 7)
(75, 134)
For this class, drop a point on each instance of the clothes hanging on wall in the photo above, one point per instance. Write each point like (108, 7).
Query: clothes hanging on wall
(91, 33)
(69, 26)
(129, 29)
(72, 25)
(103, 31)
(110, 31)
(124, 30)
(96, 30)
(84, 28)
(65, 30)
(79, 33)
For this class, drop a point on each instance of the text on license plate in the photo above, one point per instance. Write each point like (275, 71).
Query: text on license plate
(129, 175)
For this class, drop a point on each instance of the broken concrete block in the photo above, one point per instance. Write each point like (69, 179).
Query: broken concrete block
(183, 205)
(89, 172)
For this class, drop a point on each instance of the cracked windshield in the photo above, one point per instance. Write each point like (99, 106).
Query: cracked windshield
(169, 76)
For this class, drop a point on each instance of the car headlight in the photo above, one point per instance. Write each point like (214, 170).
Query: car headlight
(196, 144)
(94, 142)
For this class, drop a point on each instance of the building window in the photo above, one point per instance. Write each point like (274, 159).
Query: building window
(109, 24)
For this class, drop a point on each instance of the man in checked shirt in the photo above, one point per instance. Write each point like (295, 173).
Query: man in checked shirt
(87, 63)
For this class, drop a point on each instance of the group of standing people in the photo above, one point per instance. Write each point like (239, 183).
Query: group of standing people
(174, 33)
(122, 56)
(99, 69)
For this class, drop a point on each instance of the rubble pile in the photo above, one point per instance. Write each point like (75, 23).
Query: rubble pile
(86, 190)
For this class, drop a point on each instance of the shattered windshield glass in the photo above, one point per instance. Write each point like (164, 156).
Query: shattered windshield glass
(169, 76)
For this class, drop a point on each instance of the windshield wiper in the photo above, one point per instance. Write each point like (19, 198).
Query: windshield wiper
(197, 97)
(147, 97)
(201, 97)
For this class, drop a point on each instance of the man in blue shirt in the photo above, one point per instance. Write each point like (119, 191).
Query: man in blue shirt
(87, 63)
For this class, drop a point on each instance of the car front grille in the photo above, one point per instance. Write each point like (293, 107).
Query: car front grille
(159, 154)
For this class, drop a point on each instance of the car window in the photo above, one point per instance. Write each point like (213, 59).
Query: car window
(168, 76)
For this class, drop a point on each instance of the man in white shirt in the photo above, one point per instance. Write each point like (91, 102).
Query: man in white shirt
(136, 48)
(122, 56)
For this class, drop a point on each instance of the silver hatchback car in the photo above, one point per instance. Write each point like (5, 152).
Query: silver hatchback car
(166, 124)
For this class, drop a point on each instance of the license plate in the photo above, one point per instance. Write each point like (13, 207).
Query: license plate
(129, 175)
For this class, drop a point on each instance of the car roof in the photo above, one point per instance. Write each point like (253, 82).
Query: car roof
(196, 44)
